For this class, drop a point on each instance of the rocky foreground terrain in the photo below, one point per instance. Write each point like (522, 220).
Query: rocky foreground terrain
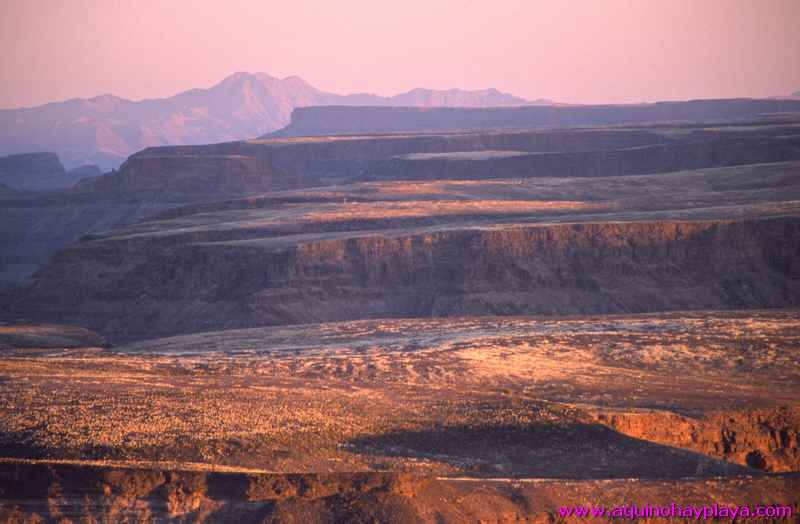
(437, 327)
(441, 419)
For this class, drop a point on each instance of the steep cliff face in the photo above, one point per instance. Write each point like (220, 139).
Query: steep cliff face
(448, 249)
(629, 161)
(258, 166)
(763, 439)
(35, 171)
(34, 226)
(307, 121)
(62, 492)
(31, 163)
(127, 290)
(268, 165)
(221, 175)
(41, 171)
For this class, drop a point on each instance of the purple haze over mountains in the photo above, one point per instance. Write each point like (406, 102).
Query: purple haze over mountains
(105, 129)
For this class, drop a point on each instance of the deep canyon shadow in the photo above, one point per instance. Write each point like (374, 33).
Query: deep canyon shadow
(579, 451)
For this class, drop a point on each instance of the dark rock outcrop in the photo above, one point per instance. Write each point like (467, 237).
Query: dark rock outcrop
(31, 163)
(40, 171)
(61, 492)
(34, 171)
(218, 175)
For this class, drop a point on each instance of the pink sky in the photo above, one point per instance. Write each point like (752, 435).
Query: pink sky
(586, 51)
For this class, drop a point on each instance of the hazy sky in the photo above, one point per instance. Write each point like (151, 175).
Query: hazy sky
(571, 51)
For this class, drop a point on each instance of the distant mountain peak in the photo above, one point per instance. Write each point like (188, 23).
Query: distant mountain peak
(236, 79)
(455, 97)
(105, 129)
(294, 79)
(238, 76)
(107, 97)
(426, 90)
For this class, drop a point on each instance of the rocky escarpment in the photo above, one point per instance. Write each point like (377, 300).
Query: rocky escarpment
(59, 492)
(766, 439)
(221, 175)
(298, 258)
(33, 226)
(40, 171)
(277, 164)
(129, 288)
(254, 167)
(34, 171)
(307, 121)
(31, 163)
(66, 492)
(54, 492)
(631, 161)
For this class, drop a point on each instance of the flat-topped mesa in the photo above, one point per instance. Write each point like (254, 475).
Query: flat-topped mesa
(127, 290)
(698, 239)
(337, 120)
(40, 172)
(232, 174)
(251, 167)
(659, 158)
(31, 163)
(32, 171)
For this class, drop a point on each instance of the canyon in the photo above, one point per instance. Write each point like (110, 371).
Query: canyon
(447, 324)
(157, 179)
(606, 220)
